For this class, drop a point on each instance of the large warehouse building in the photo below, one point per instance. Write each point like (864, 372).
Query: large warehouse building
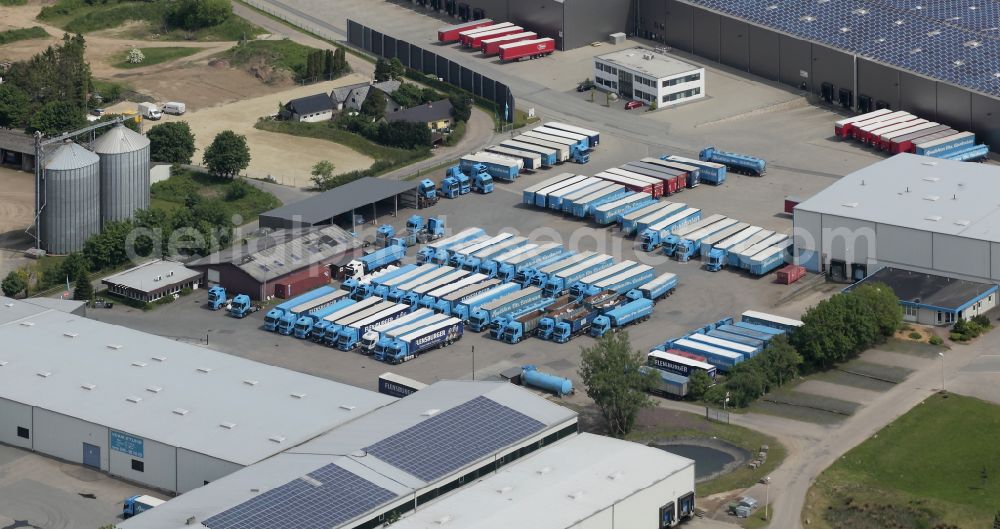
(585, 481)
(912, 212)
(151, 410)
(938, 60)
(393, 460)
(572, 23)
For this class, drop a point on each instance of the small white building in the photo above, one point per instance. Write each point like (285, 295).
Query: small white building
(585, 481)
(153, 280)
(648, 76)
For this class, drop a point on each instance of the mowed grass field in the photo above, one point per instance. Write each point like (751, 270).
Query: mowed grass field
(936, 466)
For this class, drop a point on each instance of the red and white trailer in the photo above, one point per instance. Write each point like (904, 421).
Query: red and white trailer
(843, 127)
(909, 142)
(464, 36)
(859, 125)
(492, 46)
(878, 134)
(864, 133)
(664, 184)
(476, 41)
(885, 143)
(639, 186)
(527, 49)
(450, 33)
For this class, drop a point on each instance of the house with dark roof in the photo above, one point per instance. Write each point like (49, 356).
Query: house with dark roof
(357, 95)
(930, 299)
(317, 107)
(436, 115)
(321, 107)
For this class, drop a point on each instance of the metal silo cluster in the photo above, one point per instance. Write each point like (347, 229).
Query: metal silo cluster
(83, 190)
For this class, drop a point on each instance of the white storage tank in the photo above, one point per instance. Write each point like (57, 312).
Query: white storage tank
(124, 156)
(71, 199)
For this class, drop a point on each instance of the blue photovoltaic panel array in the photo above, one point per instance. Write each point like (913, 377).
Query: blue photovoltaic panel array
(327, 498)
(929, 41)
(454, 438)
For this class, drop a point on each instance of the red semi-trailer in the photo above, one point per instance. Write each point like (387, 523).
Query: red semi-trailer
(885, 143)
(877, 135)
(464, 36)
(528, 49)
(859, 126)
(450, 33)
(492, 46)
(476, 41)
(864, 133)
(843, 127)
(909, 142)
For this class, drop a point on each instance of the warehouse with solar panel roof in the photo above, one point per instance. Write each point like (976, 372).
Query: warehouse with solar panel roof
(247, 445)
(937, 60)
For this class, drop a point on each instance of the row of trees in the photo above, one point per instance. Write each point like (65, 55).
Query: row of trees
(835, 330)
(197, 14)
(325, 65)
(173, 142)
(48, 92)
(389, 70)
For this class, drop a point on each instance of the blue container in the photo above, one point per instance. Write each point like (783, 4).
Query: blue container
(531, 376)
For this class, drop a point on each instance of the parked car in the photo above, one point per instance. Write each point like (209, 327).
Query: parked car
(634, 104)
(584, 86)
(97, 112)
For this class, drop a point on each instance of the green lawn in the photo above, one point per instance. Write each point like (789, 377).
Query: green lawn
(14, 35)
(79, 16)
(924, 469)
(172, 194)
(155, 56)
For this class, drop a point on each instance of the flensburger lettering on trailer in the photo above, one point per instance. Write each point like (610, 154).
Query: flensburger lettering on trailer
(431, 337)
(670, 366)
(394, 389)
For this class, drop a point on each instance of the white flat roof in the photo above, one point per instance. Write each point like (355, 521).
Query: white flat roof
(657, 66)
(167, 391)
(556, 488)
(919, 192)
(153, 275)
(351, 447)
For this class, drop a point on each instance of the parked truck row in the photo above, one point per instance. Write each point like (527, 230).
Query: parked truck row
(511, 42)
(901, 131)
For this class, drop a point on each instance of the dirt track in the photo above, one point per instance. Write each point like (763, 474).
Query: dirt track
(17, 207)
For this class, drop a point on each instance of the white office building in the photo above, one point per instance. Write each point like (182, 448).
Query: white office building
(648, 76)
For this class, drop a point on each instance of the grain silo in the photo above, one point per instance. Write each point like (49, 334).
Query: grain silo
(71, 198)
(124, 156)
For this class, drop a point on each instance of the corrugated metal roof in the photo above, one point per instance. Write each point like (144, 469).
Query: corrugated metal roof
(151, 276)
(119, 139)
(70, 156)
(95, 368)
(284, 251)
(327, 205)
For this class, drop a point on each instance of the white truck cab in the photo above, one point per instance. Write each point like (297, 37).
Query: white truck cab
(149, 111)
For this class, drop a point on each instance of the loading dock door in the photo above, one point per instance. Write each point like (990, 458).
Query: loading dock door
(91, 456)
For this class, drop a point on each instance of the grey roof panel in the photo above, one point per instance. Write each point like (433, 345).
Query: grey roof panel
(329, 204)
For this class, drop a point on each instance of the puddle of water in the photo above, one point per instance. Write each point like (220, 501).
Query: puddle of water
(708, 461)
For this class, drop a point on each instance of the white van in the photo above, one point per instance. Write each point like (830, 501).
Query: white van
(149, 111)
(174, 107)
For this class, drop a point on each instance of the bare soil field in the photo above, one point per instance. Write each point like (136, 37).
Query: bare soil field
(17, 207)
(288, 159)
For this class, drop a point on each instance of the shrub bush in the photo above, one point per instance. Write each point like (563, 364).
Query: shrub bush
(935, 340)
(956, 337)
(914, 335)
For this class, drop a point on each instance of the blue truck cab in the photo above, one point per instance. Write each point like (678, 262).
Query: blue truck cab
(216, 297)
(134, 505)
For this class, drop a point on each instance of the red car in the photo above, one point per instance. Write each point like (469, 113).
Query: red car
(633, 104)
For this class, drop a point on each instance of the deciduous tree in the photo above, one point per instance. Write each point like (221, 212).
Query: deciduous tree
(611, 373)
(228, 154)
(13, 284)
(171, 142)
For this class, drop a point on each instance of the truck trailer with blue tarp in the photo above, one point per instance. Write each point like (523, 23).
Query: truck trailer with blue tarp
(709, 172)
(585, 206)
(550, 155)
(274, 315)
(620, 283)
(576, 289)
(285, 324)
(693, 171)
(593, 136)
(538, 274)
(655, 235)
(746, 350)
(528, 195)
(612, 212)
(646, 221)
(444, 303)
(723, 359)
(531, 160)
(429, 250)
